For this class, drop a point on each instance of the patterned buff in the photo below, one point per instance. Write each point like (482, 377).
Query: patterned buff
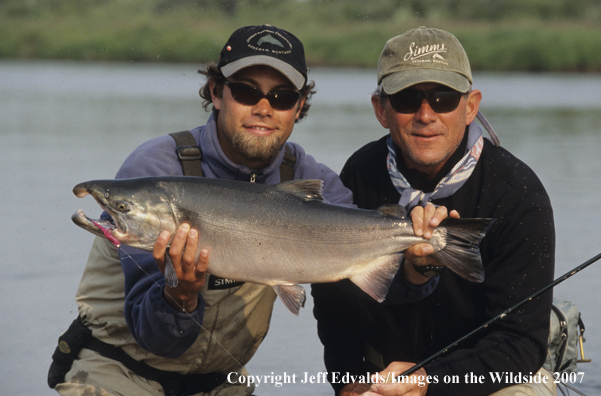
(449, 184)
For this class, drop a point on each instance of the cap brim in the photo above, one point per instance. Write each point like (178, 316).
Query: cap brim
(288, 71)
(396, 82)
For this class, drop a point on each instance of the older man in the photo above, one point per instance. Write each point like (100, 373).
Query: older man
(435, 160)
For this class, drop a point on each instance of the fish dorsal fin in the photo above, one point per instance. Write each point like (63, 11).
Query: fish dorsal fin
(392, 210)
(309, 190)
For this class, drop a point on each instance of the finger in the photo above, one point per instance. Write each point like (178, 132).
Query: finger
(454, 214)
(179, 241)
(191, 244)
(417, 218)
(439, 214)
(386, 389)
(203, 262)
(159, 249)
(418, 251)
(432, 217)
(383, 377)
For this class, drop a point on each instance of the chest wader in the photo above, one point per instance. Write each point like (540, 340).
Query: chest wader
(79, 336)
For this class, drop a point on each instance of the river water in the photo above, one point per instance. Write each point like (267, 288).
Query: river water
(66, 122)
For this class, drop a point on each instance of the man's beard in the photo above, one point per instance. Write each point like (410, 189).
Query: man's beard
(257, 148)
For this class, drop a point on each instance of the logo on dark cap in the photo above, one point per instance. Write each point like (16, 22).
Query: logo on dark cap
(269, 41)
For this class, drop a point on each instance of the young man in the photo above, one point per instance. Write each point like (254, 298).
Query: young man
(258, 90)
(435, 155)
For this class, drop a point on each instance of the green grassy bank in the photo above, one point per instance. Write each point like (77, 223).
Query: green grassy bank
(334, 33)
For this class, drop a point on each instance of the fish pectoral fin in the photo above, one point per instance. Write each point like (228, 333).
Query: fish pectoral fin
(309, 190)
(377, 276)
(293, 296)
(170, 275)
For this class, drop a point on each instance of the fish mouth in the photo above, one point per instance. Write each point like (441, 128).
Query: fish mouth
(100, 227)
(114, 229)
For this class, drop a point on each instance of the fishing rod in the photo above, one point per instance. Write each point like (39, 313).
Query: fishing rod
(502, 315)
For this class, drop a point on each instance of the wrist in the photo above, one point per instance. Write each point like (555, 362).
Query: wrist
(411, 275)
(180, 303)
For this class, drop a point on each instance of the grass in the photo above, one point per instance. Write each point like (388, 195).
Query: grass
(131, 30)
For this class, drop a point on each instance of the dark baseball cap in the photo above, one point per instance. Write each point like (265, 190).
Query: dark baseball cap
(265, 45)
(424, 55)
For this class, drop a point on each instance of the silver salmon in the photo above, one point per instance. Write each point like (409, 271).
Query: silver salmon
(281, 236)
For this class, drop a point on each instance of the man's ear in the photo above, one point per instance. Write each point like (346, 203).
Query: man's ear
(379, 110)
(472, 106)
(299, 106)
(214, 95)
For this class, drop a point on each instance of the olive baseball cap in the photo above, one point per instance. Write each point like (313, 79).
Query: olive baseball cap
(424, 55)
(265, 45)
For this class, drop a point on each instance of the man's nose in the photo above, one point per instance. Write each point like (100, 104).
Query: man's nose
(425, 113)
(263, 108)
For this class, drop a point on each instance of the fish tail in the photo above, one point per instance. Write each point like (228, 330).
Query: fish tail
(461, 253)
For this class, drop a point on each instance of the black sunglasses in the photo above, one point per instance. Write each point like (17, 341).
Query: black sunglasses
(409, 101)
(250, 96)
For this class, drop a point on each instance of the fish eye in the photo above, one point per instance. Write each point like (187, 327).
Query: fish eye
(122, 206)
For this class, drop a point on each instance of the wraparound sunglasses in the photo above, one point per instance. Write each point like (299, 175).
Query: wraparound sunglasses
(250, 96)
(409, 101)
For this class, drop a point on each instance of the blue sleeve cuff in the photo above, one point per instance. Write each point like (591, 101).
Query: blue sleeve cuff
(154, 323)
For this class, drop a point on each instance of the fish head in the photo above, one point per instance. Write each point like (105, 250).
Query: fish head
(138, 211)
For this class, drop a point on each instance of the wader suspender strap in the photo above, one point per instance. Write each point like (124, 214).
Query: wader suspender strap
(189, 154)
(287, 165)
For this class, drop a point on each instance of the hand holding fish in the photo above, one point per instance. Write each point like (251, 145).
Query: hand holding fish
(424, 220)
(191, 273)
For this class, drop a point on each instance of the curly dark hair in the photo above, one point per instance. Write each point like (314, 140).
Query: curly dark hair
(213, 73)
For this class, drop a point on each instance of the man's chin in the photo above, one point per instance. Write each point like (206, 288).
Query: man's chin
(257, 149)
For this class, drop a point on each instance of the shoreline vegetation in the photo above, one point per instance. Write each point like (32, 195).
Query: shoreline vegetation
(498, 35)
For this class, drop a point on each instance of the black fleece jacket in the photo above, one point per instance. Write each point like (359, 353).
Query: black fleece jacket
(518, 256)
